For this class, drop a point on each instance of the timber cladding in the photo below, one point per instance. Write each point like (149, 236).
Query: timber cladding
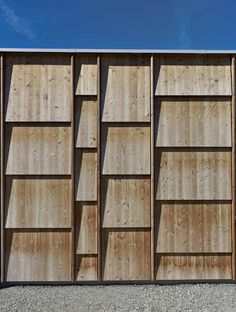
(117, 167)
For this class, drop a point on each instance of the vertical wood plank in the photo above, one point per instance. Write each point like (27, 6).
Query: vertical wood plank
(233, 163)
(2, 169)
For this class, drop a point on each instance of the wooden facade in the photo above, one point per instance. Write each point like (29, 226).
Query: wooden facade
(117, 166)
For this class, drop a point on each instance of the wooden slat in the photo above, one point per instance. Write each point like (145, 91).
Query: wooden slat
(125, 88)
(86, 75)
(193, 175)
(192, 75)
(38, 256)
(193, 228)
(125, 202)
(38, 203)
(125, 149)
(38, 150)
(86, 268)
(193, 122)
(37, 87)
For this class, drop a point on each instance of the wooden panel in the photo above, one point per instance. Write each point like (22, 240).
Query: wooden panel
(38, 203)
(126, 254)
(38, 256)
(86, 268)
(192, 75)
(125, 150)
(178, 267)
(86, 75)
(37, 87)
(125, 202)
(86, 122)
(86, 228)
(193, 122)
(38, 150)
(86, 175)
(193, 228)
(125, 88)
(193, 175)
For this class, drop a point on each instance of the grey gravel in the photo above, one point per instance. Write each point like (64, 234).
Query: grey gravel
(198, 297)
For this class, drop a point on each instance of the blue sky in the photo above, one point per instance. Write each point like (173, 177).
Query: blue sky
(140, 24)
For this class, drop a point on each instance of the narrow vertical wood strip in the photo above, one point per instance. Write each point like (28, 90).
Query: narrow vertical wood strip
(233, 164)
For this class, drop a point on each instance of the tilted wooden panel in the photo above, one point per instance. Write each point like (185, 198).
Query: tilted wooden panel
(125, 202)
(126, 254)
(125, 149)
(86, 268)
(193, 175)
(193, 121)
(86, 175)
(86, 75)
(184, 267)
(125, 88)
(37, 87)
(38, 256)
(86, 122)
(38, 150)
(86, 228)
(37, 203)
(192, 75)
(193, 228)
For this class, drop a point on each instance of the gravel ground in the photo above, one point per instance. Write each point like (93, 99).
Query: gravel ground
(204, 297)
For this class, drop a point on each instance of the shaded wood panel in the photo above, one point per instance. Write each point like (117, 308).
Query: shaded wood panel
(125, 149)
(86, 268)
(125, 88)
(184, 267)
(37, 87)
(192, 122)
(37, 150)
(126, 254)
(86, 74)
(192, 75)
(193, 175)
(37, 203)
(38, 256)
(192, 228)
(125, 202)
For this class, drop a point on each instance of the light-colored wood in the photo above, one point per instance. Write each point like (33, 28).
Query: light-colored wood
(37, 87)
(86, 228)
(86, 175)
(86, 122)
(37, 203)
(193, 122)
(193, 175)
(38, 150)
(193, 228)
(125, 202)
(125, 88)
(125, 149)
(86, 75)
(199, 266)
(86, 268)
(38, 256)
(192, 75)
(126, 254)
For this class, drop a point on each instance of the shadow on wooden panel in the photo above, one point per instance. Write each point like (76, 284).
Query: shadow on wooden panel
(86, 267)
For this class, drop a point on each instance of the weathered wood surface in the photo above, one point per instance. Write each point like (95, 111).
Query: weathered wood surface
(86, 268)
(86, 75)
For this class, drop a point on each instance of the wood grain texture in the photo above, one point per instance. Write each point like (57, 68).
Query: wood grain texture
(37, 203)
(126, 254)
(193, 228)
(86, 74)
(184, 267)
(193, 175)
(192, 75)
(125, 88)
(86, 175)
(38, 150)
(86, 122)
(86, 228)
(86, 268)
(37, 87)
(193, 122)
(38, 256)
(125, 150)
(125, 202)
